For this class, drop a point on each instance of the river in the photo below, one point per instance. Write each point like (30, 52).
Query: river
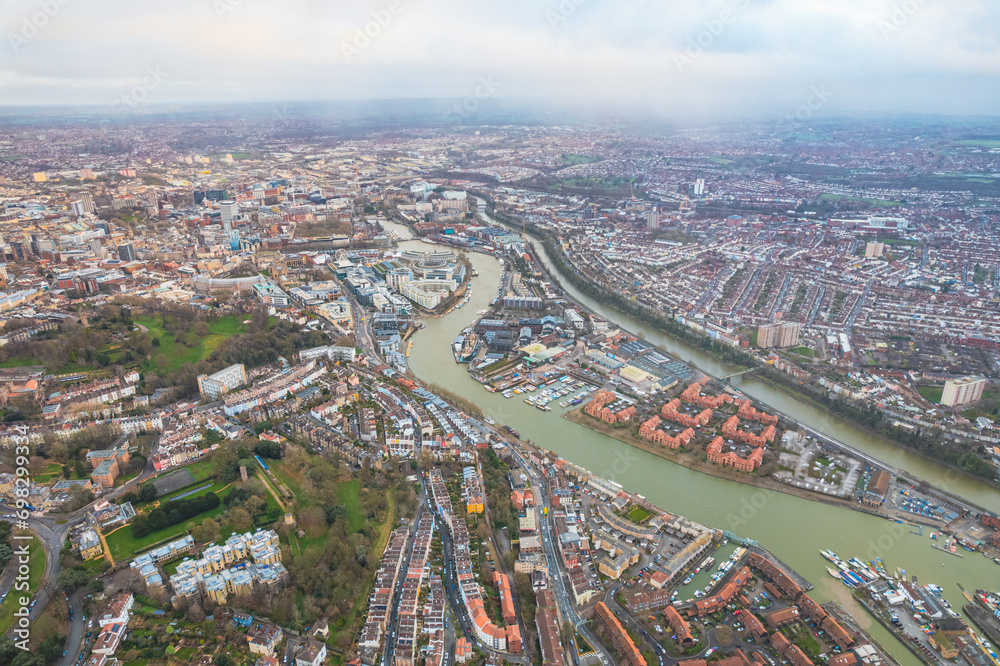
(794, 529)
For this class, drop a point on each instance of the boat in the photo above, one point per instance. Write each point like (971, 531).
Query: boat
(834, 573)
(457, 346)
(847, 581)
(858, 580)
(828, 554)
(488, 420)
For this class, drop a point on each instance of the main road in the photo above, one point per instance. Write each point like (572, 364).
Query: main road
(567, 607)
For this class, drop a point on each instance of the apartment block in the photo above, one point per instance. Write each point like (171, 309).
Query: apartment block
(778, 335)
(214, 386)
(963, 391)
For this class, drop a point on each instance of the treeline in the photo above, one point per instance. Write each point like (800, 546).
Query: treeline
(931, 443)
(172, 514)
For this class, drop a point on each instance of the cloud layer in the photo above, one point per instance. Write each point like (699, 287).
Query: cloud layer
(675, 59)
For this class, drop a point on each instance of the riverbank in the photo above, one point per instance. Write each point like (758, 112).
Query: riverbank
(691, 460)
(787, 390)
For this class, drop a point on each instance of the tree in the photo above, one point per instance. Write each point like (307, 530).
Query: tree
(239, 518)
(79, 497)
(207, 532)
(255, 505)
(156, 342)
(147, 492)
(96, 585)
(51, 648)
(72, 579)
(195, 613)
(335, 513)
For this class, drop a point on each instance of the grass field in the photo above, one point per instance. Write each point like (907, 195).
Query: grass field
(807, 643)
(882, 203)
(802, 351)
(290, 480)
(173, 354)
(176, 355)
(347, 493)
(123, 546)
(574, 160)
(932, 393)
(52, 471)
(985, 143)
(638, 514)
(385, 529)
(36, 567)
(200, 470)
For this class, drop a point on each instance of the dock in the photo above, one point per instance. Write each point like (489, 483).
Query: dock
(945, 550)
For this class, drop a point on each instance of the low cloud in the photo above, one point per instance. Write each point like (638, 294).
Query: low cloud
(759, 58)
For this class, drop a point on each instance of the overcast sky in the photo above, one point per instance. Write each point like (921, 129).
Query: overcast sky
(683, 59)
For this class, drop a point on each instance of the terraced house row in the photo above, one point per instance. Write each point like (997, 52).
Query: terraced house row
(382, 597)
(503, 636)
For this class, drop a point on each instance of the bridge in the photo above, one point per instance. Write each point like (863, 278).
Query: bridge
(725, 379)
(732, 537)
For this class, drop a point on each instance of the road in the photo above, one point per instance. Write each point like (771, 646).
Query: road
(629, 621)
(51, 536)
(849, 325)
(390, 625)
(455, 598)
(557, 572)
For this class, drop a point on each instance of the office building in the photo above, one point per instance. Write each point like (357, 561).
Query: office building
(126, 252)
(213, 387)
(229, 209)
(963, 391)
(87, 200)
(699, 187)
